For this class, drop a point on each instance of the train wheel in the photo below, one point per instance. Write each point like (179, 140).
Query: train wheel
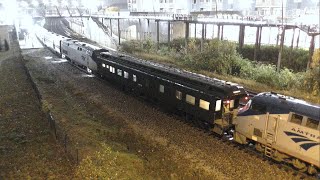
(312, 170)
(299, 165)
(259, 147)
(277, 156)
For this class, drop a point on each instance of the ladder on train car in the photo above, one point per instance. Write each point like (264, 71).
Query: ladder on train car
(270, 134)
(268, 151)
(270, 139)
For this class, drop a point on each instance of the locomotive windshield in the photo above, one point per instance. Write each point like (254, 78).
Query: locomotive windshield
(246, 107)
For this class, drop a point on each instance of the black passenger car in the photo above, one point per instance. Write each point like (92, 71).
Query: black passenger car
(203, 99)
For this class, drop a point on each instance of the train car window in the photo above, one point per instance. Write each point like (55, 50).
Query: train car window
(108, 66)
(134, 78)
(178, 94)
(103, 65)
(190, 99)
(126, 74)
(311, 123)
(119, 72)
(204, 104)
(296, 118)
(161, 88)
(232, 104)
(111, 69)
(259, 108)
(218, 105)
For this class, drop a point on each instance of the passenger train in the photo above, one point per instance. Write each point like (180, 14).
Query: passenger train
(281, 127)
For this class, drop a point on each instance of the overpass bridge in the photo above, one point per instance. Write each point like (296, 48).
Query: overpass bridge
(111, 24)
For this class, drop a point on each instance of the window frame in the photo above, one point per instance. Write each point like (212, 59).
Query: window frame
(125, 74)
(134, 78)
(190, 99)
(218, 105)
(119, 72)
(207, 104)
(161, 88)
(315, 128)
(292, 117)
(178, 95)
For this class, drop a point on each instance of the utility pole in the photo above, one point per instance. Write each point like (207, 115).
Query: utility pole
(282, 39)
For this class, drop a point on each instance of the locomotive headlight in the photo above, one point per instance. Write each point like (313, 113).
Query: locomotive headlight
(236, 92)
(229, 103)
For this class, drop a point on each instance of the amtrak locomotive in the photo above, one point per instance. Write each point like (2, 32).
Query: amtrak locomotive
(281, 127)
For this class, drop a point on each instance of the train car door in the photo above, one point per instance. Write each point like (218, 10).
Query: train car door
(271, 127)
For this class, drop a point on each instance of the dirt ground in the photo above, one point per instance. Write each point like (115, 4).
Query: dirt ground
(27, 148)
(102, 132)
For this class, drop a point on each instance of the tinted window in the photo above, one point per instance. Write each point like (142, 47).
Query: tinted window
(179, 95)
(134, 78)
(296, 118)
(126, 74)
(204, 104)
(161, 88)
(119, 72)
(190, 99)
(311, 123)
(218, 105)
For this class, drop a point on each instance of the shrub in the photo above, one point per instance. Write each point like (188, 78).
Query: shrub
(312, 80)
(315, 59)
(223, 58)
(131, 46)
(296, 59)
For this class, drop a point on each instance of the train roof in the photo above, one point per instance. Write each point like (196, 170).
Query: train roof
(203, 83)
(291, 104)
(84, 45)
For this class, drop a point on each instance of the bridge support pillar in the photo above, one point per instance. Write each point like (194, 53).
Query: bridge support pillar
(169, 31)
(202, 37)
(187, 35)
(158, 37)
(218, 35)
(258, 42)
(298, 38)
(195, 30)
(241, 36)
(311, 51)
(139, 31)
(281, 48)
(221, 38)
(119, 32)
(110, 27)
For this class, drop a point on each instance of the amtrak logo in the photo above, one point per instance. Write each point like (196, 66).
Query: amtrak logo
(306, 143)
